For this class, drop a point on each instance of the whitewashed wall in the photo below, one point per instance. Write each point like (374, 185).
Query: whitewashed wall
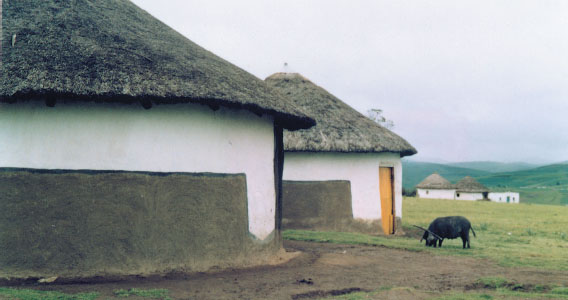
(165, 138)
(468, 196)
(436, 194)
(361, 169)
(502, 197)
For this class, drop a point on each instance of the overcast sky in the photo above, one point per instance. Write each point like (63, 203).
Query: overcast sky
(461, 80)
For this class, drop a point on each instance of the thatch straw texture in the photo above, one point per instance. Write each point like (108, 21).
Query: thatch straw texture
(470, 185)
(339, 128)
(435, 181)
(113, 51)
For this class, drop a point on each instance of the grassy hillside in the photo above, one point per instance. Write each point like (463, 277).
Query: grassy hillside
(414, 172)
(543, 185)
(493, 166)
(547, 176)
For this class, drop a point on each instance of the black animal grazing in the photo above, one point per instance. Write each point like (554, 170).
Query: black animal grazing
(447, 228)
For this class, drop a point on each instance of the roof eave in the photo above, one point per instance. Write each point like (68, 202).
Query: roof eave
(286, 120)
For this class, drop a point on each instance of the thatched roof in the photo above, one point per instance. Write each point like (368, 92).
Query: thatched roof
(470, 185)
(435, 182)
(340, 128)
(113, 51)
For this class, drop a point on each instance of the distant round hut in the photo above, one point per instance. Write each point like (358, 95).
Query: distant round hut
(345, 173)
(470, 189)
(125, 148)
(435, 187)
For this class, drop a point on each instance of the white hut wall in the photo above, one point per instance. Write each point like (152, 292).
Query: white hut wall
(468, 196)
(360, 169)
(206, 148)
(436, 193)
(502, 197)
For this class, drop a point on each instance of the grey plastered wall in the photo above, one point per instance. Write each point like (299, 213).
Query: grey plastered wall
(321, 205)
(90, 223)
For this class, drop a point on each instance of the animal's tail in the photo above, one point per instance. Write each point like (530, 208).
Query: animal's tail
(472, 231)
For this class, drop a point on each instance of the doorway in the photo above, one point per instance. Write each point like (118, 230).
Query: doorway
(386, 186)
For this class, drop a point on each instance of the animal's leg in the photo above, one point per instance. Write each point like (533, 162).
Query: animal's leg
(440, 243)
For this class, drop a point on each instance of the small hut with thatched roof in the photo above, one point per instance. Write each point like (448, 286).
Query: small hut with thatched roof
(435, 187)
(470, 189)
(125, 148)
(343, 174)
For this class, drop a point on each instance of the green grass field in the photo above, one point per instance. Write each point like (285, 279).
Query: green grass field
(527, 235)
(512, 235)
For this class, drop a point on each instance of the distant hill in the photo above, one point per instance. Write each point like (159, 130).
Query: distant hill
(414, 172)
(494, 167)
(544, 185)
(546, 176)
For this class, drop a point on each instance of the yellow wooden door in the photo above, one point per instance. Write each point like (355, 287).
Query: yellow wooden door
(387, 199)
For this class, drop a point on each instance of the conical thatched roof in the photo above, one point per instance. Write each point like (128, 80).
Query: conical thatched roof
(435, 181)
(339, 128)
(470, 185)
(113, 51)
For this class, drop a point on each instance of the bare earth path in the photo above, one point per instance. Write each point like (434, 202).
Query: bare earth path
(325, 269)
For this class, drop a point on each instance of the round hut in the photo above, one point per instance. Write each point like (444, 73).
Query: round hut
(470, 189)
(125, 148)
(345, 173)
(435, 187)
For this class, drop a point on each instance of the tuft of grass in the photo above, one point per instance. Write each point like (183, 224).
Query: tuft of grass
(468, 296)
(352, 296)
(483, 226)
(151, 293)
(27, 294)
(380, 293)
(499, 294)
(530, 232)
(560, 291)
(493, 282)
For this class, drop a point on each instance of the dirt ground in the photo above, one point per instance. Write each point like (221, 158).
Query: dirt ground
(323, 269)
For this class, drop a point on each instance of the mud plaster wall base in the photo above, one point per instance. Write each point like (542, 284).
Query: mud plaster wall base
(80, 224)
(323, 206)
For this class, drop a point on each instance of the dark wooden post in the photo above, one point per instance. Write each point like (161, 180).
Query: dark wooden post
(278, 169)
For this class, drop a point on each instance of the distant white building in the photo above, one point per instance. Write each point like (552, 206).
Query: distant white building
(437, 187)
(504, 197)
